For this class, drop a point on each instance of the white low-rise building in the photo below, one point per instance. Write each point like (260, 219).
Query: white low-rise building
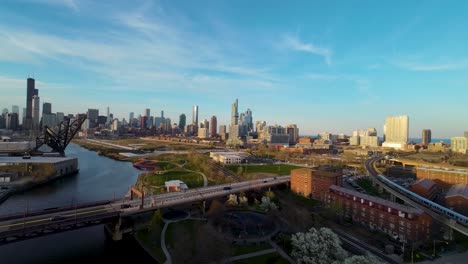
(227, 157)
(175, 186)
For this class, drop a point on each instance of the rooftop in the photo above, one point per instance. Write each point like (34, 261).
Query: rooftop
(458, 190)
(424, 183)
(460, 170)
(34, 159)
(399, 207)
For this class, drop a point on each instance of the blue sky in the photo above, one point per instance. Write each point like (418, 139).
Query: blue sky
(325, 65)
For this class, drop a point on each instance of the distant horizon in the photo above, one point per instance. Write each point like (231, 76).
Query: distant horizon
(323, 66)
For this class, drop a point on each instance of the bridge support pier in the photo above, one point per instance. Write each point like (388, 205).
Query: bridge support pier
(114, 230)
(448, 233)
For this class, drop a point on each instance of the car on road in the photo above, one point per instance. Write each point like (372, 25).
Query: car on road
(57, 218)
(227, 188)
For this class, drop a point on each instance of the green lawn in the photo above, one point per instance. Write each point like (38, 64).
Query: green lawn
(278, 169)
(288, 195)
(188, 226)
(193, 180)
(245, 249)
(145, 238)
(272, 258)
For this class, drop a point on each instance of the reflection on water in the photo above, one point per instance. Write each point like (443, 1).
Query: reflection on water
(100, 178)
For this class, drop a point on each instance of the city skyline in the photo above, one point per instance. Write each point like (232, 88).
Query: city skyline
(305, 69)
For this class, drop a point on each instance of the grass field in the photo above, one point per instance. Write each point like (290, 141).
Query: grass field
(193, 180)
(278, 169)
(245, 249)
(272, 258)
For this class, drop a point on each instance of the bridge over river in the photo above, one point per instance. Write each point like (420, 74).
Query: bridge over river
(32, 224)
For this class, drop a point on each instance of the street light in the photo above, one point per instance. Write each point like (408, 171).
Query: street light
(433, 252)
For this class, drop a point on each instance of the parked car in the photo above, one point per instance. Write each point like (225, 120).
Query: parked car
(57, 218)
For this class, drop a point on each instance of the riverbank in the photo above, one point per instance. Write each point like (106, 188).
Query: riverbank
(26, 186)
(103, 150)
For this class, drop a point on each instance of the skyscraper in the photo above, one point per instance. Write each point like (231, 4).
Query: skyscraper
(195, 115)
(182, 121)
(426, 137)
(36, 111)
(108, 115)
(15, 109)
(162, 113)
(396, 132)
(205, 124)
(213, 126)
(30, 92)
(92, 117)
(47, 108)
(248, 121)
(235, 112)
(147, 113)
(131, 116)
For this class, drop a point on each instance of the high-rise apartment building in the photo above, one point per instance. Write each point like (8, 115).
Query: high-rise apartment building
(293, 133)
(222, 129)
(365, 138)
(35, 114)
(47, 108)
(12, 121)
(426, 137)
(167, 126)
(182, 122)
(195, 116)
(396, 132)
(459, 144)
(213, 126)
(235, 112)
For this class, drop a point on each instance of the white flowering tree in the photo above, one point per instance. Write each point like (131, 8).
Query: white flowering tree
(368, 259)
(243, 200)
(267, 204)
(232, 201)
(317, 247)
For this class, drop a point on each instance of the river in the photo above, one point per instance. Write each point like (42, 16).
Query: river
(99, 178)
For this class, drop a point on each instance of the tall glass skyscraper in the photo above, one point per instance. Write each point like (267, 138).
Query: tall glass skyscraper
(195, 115)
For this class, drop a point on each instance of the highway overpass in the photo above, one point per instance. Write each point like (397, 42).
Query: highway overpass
(40, 223)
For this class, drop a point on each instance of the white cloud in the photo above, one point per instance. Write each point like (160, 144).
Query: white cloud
(295, 43)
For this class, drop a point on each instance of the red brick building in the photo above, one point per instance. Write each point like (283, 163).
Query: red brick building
(424, 187)
(313, 183)
(457, 198)
(445, 175)
(401, 222)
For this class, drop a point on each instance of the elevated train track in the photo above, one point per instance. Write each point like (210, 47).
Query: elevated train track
(439, 213)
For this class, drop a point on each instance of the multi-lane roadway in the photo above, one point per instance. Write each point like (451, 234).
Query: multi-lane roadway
(61, 218)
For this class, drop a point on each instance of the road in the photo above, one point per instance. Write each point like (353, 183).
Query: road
(43, 219)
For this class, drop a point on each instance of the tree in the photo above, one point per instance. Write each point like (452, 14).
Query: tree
(368, 259)
(317, 246)
(267, 204)
(232, 200)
